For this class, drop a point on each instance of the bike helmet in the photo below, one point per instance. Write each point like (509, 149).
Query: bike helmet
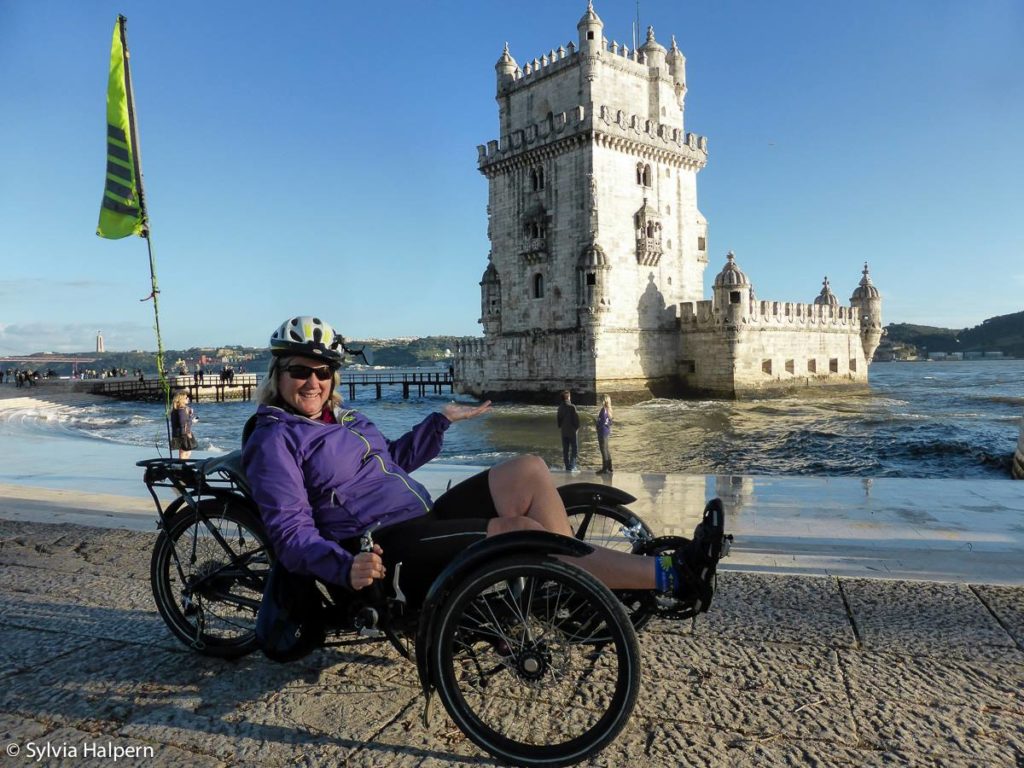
(309, 337)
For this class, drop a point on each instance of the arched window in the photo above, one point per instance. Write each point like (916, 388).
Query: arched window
(538, 286)
(537, 179)
(647, 176)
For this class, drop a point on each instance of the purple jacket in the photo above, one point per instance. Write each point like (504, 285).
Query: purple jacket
(317, 484)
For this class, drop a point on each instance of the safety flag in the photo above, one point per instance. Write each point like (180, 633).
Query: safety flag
(123, 211)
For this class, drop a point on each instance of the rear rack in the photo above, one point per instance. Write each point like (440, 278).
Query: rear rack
(192, 479)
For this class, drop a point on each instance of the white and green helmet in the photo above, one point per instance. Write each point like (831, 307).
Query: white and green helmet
(309, 337)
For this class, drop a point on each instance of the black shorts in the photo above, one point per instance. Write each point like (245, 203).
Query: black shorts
(426, 544)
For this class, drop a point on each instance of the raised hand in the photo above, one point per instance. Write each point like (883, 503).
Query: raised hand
(458, 412)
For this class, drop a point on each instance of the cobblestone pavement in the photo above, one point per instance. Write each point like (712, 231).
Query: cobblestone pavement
(785, 670)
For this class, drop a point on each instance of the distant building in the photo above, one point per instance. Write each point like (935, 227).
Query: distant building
(594, 281)
(99, 342)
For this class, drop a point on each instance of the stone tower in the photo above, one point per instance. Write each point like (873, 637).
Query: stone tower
(593, 223)
(594, 280)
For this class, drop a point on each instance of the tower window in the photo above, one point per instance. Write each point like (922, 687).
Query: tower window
(590, 34)
(643, 175)
(702, 244)
(591, 278)
(537, 179)
(734, 297)
(833, 365)
(538, 286)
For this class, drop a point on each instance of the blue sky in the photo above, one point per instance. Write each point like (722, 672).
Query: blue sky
(319, 157)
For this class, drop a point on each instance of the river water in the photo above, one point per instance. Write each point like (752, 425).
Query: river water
(933, 420)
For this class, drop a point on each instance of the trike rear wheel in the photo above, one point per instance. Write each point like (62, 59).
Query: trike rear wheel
(536, 661)
(207, 573)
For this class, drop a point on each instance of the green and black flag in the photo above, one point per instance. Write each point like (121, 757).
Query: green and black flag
(123, 211)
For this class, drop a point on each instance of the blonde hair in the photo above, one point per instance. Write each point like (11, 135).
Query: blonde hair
(607, 402)
(268, 393)
(180, 400)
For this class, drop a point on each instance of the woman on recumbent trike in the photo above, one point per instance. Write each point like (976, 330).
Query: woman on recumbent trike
(321, 475)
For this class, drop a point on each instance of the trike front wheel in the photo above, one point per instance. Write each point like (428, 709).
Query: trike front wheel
(536, 661)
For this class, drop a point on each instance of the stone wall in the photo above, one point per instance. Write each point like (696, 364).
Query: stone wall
(781, 346)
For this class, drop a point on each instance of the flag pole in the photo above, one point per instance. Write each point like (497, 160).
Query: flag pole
(146, 231)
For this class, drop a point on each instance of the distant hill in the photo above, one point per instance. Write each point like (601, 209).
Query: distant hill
(1004, 333)
(428, 350)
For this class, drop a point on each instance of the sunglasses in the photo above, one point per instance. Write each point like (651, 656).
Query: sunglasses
(303, 372)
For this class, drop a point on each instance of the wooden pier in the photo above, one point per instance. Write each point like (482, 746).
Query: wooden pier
(210, 390)
(242, 386)
(434, 381)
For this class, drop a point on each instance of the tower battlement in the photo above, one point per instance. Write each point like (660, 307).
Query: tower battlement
(614, 127)
(766, 315)
(548, 63)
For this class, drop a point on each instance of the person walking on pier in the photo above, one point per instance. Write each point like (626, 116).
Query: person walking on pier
(569, 424)
(182, 417)
(604, 431)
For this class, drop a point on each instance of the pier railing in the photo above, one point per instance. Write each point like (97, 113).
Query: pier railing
(207, 390)
(242, 385)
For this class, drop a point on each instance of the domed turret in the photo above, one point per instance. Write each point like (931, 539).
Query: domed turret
(677, 66)
(731, 275)
(733, 295)
(591, 30)
(591, 280)
(653, 51)
(826, 296)
(505, 69)
(593, 256)
(868, 300)
(490, 300)
(866, 289)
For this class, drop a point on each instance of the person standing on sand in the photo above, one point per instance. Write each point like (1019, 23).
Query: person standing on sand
(569, 424)
(181, 425)
(604, 431)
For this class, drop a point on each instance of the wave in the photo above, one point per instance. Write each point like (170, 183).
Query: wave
(1001, 399)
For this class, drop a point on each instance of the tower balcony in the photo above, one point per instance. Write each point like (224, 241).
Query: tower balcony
(535, 250)
(648, 251)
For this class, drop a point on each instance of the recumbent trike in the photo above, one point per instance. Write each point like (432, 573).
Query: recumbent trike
(534, 659)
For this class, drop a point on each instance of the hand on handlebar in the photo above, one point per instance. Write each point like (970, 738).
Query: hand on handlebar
(366, 568)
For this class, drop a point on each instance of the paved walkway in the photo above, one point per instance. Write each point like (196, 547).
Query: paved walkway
(785, 670)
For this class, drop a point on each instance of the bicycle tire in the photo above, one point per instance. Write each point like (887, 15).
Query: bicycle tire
(568, 694)
(209, 596)
(601, 525)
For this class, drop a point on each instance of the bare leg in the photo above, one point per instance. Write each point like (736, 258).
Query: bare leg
(526, 499)
(522, 487)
